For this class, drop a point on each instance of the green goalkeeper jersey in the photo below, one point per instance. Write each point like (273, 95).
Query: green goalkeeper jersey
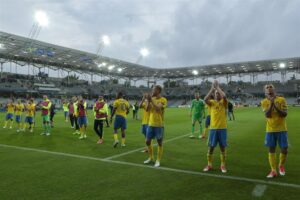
(198, 107)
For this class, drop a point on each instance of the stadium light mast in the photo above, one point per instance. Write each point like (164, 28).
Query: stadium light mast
(104, 41)
(40, 20)
(144, 52)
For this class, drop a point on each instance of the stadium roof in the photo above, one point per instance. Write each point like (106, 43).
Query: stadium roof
(28, 51)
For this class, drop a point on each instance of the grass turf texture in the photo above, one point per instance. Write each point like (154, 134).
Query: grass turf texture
(36, 175)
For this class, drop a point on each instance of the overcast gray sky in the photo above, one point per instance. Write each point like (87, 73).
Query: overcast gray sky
(177, 32)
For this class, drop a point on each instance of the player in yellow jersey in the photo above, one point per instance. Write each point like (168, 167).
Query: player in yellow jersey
(207, 121)
(66, 109)
(100, 112)
(157, 105)
(275, 109)
(30, 112)
(19, 109)
(146, 114)
(121, 110)
(45, 106)
(9, 114)
(218, 124)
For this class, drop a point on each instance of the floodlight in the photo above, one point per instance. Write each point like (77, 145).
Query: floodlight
(41, 18)
(195, 72)
(111, 67)
(103, 64)
(282, 65)
(2, 46)
(105, 40)
(120, 69)
(144, 52)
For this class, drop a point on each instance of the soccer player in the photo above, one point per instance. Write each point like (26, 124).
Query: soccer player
(156, 106)
(19, 109)
(9, 114)
(45, 105)
(146, 114)
(71, 113)
(82, 119)
(275, 109)
(230, 111)
(30, 111)
(75, 115)
(101, 110)
(218, 126)
(52, 113)
(207, 120)
(121, 110)
(66, 109)
(197, 113)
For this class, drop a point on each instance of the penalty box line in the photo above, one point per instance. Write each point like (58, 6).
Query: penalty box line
(235, 178)
(142, 148)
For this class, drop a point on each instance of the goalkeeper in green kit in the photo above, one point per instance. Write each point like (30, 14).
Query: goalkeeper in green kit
(197, 113)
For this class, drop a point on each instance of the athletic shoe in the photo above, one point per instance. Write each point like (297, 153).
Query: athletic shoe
(207, 168)
(47, 134)
(76, 132)
(223, 169)
(145, 151)
(72, 126)
(31, 130)
(148, 161)
(272, 174)
(43, 134)
(123, 145)
(81, 137)
(116, 143)
(84, 136)
(202, 137)
(157, 164)
(100, 141)
(4, 126)
(192, 136)
(281, 170)
(18, 130)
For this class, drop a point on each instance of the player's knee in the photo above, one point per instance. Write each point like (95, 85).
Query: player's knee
(284, 150)
(148, 142)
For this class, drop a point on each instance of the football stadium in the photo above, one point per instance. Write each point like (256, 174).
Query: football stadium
(78, 123)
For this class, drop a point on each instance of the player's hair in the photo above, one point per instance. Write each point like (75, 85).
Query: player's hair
(265, 87)
(158, 87)
(120, 94)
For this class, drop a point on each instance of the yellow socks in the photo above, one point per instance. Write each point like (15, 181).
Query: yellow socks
(150, 151)
(272, 161)
(222, 157)
(282, 158)
(123, 140)
(209, 159)
(5, 123)
(159, 152)
(116, 137)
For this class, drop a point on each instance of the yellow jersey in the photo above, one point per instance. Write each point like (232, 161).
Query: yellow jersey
(66, 107)
(218, 114)
(146, 114)
(156, 117)
(30, 109)
(275, 123)
(10, 108)
(19, 108)
(121, 106)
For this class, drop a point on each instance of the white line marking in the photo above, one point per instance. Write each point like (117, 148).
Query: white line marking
(140, 149)
(259, 190)
(236, 178)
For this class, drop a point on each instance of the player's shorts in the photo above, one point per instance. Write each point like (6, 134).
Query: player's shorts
(66, 113)
(155, 132)
(144, 129)
(18, 118)
(120, 122)
(217, 136)
(46, 118)
(9, 116)
(207, 121)
(197, 117)
(82, 120)
(29, 120)
(274, 138)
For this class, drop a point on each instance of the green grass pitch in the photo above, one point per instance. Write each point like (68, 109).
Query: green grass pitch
(28, 174)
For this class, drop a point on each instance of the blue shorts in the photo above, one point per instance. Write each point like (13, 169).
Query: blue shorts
(18, 118)
(9, 116)
(155, 132)
(217, 136)
(207, 121)
(273, 138)
(82, 121)
(66, 114)
(120, 122)
(144, 129)
(29, 120)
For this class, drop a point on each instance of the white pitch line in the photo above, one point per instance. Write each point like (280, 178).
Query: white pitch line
(259, 190)
(236, 178)
(140, 149)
